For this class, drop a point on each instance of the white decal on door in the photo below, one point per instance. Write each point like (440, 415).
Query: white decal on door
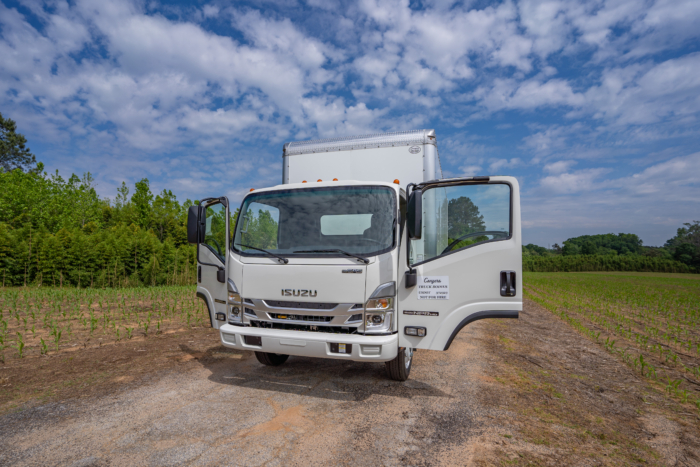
(433, 287)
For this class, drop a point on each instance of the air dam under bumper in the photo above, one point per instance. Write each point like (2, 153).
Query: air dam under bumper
(309, 344)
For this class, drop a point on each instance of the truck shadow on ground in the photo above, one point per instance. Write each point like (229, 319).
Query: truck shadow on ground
(304, 376)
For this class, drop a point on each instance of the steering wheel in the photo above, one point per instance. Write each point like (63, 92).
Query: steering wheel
(474, 234)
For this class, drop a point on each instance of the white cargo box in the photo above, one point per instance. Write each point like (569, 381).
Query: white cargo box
(407, 156)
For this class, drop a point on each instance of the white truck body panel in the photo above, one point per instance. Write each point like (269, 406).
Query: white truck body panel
(407, 156)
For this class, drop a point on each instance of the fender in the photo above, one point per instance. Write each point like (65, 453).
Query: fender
(204, 297)
(481, 315)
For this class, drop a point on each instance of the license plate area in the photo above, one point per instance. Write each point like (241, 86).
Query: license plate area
(341, 348)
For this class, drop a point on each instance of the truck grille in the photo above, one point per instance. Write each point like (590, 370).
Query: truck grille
(306, 305)
(304, 327)
(317, 319)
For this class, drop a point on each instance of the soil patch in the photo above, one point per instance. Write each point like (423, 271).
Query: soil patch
(567, 401)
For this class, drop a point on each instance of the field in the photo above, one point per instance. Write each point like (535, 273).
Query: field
(600, 369)
(40, 321)
(649, 320)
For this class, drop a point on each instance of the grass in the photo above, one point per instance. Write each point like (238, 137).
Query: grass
(650, 320)
(42, 321)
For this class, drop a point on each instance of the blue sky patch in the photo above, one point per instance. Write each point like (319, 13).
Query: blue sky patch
(593, 105)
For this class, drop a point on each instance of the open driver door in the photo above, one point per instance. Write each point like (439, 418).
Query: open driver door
(463, 258)
(208, 227)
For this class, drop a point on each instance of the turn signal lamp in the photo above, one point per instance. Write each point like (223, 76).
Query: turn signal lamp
(414, 331)
(379, 304)
(396, 180)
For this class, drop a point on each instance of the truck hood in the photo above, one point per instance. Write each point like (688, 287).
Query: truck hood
(322, 283)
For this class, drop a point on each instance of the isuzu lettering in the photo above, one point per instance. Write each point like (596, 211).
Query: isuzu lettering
(364, 252)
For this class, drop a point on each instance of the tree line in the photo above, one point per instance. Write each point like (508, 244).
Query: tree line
(624, 250)
(59, 232)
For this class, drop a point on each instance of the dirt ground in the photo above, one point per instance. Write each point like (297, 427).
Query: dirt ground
(511, 392)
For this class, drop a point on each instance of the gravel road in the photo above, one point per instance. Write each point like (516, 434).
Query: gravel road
(224, 408)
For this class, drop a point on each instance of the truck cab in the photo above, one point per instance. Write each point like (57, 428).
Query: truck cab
(344, 261)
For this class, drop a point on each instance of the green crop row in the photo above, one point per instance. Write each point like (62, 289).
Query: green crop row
(36, 321)
(651, 323)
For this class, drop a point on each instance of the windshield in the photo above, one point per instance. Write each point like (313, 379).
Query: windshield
(358, 220)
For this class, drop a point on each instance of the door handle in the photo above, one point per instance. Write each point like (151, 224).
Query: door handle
(508, 283)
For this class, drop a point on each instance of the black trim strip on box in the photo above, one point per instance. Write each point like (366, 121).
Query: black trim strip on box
(204, 297)
(480, 315)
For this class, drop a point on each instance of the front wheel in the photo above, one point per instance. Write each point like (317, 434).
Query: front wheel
(271, 359)
(399, 368)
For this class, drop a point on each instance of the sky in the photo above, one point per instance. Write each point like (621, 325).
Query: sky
(592, 105)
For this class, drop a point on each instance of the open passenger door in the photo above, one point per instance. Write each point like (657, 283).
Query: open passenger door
(464, 258)
(208, 227)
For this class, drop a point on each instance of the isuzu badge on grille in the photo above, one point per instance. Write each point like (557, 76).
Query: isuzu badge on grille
(298, 293)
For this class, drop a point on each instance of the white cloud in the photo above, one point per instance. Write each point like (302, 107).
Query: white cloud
(470, 170)
(558, 167)
(501, 164)
(573, 182)
(210, 11)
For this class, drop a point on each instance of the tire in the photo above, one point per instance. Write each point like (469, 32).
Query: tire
(399, 368)
(271, 359)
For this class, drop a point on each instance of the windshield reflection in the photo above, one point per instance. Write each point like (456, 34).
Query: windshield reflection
(358, 220)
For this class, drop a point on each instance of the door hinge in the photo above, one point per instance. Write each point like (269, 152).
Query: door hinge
(508, 283)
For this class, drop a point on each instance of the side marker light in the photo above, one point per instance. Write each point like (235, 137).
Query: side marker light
(252, 189)
(304, 181)
(335, 179)
(396, 181)
(319, 180)
(414, 331)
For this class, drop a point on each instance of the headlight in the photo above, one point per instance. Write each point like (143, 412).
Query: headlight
(378, 321)
(380, 304)
(379, 315)
(233, 297)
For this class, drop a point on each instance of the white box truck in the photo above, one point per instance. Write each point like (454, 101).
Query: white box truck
(363, 253)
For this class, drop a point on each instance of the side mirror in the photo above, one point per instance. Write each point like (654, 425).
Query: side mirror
(414, 214)
(193, 225)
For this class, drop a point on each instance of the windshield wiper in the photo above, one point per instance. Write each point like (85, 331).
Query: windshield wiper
(284, 260)
(364, 260)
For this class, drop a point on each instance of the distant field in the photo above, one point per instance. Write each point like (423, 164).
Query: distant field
(650, 320)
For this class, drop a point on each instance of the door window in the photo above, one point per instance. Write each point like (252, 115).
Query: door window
(215, 233)
(459, 217)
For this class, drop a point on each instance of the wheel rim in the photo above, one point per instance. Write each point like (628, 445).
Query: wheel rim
(408, 356)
